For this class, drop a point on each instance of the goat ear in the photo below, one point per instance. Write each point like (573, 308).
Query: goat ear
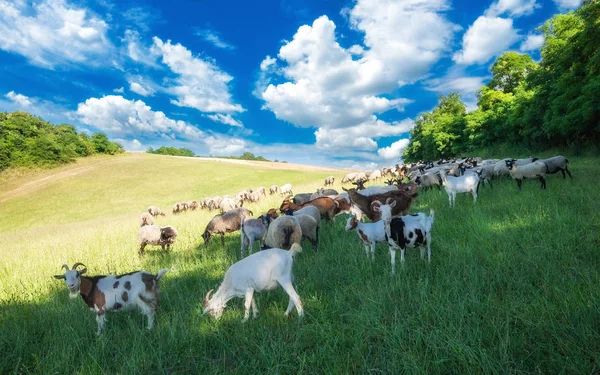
(59, 277)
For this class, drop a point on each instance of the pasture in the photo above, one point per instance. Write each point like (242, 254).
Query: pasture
(513, 285)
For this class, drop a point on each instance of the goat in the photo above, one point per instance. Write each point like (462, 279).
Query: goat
(285, 189)
(462, 184)
(370, 234)
(254, 229)
(261, 271)
(362, 205)
(411, 231)
(225, 223)
(324, 204)
(113, 293)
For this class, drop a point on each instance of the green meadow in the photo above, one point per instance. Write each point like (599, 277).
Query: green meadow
(513, 285)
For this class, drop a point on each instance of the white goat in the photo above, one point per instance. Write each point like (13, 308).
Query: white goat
(112, 293)
(258, 272)
(462, 184)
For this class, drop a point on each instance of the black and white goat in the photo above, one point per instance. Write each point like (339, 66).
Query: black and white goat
(411, 231)
(258, 272)
(113, 293)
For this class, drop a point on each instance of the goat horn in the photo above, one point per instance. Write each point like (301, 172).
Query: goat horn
(207, 298)
(78, 264)
(65, 267)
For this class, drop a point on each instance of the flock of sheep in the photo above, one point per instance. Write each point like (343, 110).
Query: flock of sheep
(280, 231)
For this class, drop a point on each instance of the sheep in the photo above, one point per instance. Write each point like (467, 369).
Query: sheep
(285, 189)
(156, 235)
(372, 190)
(535, 170)
(254, 229)
(155, 211)
(485, 173)
(329, 180)
(349, 177)
(309, 225)
(500, 169)
(283, 232)
(309, 210)
(255, 196)
(360, 176)
(324, 204)
(273, 189)
(557, 163)
(429, 180)
(227, 204)
(113, 293)
(411, 231)
(146, 219)
(192, 205)
(375, 175)
(261, 190)
(261, 271)
(176, 208)
(462, 184)
(227, 222)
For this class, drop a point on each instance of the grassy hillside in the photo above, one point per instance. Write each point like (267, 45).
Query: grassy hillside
(513, 285)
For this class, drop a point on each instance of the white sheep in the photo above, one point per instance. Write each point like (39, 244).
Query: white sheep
(462, 184)
(113, 293)
(536, 170)
(329, 180)
(156, 235)
(285, 189)
(155, 211)
(261, 271)
(146, 219)
(273, 189)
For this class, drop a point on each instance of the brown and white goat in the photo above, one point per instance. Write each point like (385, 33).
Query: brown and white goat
(113, 293)
(325, 205)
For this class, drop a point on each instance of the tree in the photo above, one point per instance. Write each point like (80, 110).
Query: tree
(510, 70)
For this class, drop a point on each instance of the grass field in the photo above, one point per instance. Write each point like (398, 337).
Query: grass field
(513, 285)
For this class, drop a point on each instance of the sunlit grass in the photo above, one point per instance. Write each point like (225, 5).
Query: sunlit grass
(512, 287)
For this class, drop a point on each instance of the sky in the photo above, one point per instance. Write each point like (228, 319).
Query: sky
(321, 82)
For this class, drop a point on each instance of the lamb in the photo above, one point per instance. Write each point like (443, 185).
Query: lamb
(557, 163)
(155, 211)
(535, 170)
(261, 271)
(228, 222)
(462, 184)
(411, 231)
(254, 229)
(329, 180)
(156, 235)
(283, 232)
(285, 189)
(113, 293)
(273, 189)
(146, 219)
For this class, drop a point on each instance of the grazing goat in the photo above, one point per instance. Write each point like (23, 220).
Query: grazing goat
(532, 171)
(462, 184)
(273, 189)
(228, 222)
(155, 235)
(325, 205)
(285, 189)
(114, 293)
(261, 271)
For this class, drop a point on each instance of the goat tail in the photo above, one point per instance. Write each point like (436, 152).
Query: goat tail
(160, 273)
(295, 249)
(429, 222)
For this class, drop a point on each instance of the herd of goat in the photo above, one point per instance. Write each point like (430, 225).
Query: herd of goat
(279, 232)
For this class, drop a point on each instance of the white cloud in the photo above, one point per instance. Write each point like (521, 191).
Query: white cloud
(52, 33)
(532, 43)
(565, 5)
(18, 99)
(118, 116)
(463, 85)
(225, 119)
(486, 38)
(219, 145)
(213, 38)
(514, 8)
(395, 150)
(141, 85)
(120, 90)
(139, 89)
(133, 145)
(136, 50)
(199, 84)
(342, 91)
(142, 17)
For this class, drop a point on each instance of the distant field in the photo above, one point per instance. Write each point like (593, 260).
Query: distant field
(513, 285)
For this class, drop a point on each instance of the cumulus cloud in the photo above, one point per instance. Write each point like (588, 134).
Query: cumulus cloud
(52, 33)
(130, 145)
(118, 116)
(219, 145)
(532, 43)
(135, 49)
(141, 86)
(46, 109)
(120, 90)
(199, 83)
(18, 99)
(514, 8)
(565, 5)
(213, 38)
(342, 91)
(395, 150)
(486, 38)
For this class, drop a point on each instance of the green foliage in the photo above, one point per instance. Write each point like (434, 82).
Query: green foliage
(164, 150)
(553, 104)
(29, 141)
(245, 156)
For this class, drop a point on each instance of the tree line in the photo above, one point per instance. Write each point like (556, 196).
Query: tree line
(29, 141)
(526, 105)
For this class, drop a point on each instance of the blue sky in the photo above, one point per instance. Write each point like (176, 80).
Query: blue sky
(320, 82)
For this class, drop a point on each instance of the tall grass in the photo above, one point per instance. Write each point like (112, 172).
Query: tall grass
(513, 287)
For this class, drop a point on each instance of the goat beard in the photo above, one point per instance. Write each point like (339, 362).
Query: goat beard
(73, 293)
